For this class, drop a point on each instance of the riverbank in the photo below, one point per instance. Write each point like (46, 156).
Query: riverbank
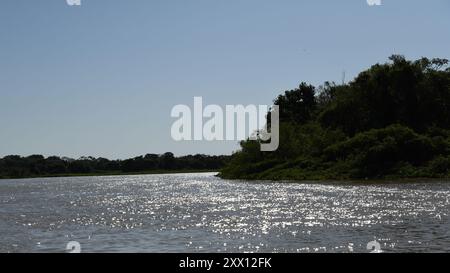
(371, 181)
(292, 175)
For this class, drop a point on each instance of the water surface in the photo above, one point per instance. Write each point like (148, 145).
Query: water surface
(202, 213)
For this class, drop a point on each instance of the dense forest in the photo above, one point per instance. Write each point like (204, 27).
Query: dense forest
(391, 121)
(14, 166)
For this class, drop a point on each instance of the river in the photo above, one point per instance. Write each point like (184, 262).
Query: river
(203, 213)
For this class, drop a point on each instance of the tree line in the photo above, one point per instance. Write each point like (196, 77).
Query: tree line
(15, 166)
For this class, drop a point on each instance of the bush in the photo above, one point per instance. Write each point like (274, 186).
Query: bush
(439, 166)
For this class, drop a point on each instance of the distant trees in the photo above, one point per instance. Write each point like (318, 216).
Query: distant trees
(391, 120)
(15, 166)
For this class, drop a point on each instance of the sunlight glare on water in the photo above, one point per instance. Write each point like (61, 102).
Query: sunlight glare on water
(202, 213)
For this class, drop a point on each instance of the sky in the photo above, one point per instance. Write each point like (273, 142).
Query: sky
(101, 79)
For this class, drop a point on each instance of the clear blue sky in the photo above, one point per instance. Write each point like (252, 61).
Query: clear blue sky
(101, 79)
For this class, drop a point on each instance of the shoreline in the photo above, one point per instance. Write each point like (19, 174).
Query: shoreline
(377, 181)
(360, 182)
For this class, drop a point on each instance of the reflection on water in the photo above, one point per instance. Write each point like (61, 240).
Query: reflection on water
(202, 213)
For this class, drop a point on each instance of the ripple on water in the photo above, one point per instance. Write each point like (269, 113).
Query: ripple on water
(199, 212)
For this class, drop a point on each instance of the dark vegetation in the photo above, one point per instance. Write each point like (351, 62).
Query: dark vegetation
(37, 165)
(391, 121)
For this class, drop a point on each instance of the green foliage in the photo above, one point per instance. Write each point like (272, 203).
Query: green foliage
(415, 94)
(36, 165)
(393, 120)
(376, 152)
(297, 105)
(439, 165)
